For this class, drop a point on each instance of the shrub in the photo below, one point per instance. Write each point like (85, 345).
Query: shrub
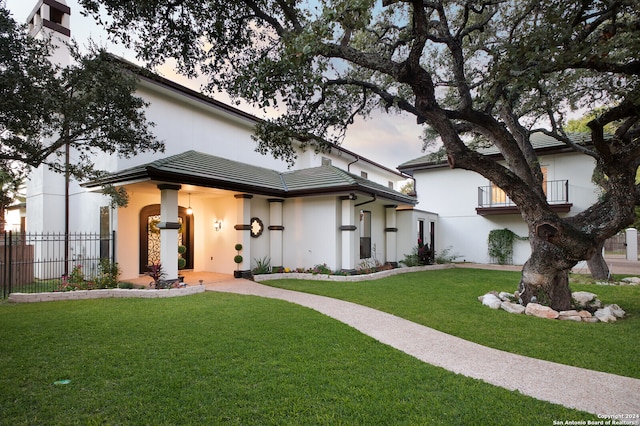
(420, 255)
(75, 281)
(321, 269)
(156, 273)
(108, 273)
(182, 262)
(445, 256)
(126, 285)
(263, 266)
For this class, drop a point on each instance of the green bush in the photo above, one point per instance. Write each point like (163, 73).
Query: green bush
(108, 273)
(263, 266)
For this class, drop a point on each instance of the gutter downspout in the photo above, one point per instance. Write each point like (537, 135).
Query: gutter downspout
(354, 161)
(367, 202)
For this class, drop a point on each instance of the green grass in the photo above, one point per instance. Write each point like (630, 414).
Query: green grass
(228, 359)
(447, 300)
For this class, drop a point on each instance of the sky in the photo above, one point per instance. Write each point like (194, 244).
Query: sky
(387, 139)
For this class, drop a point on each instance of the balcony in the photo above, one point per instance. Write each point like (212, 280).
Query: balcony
(493, 201)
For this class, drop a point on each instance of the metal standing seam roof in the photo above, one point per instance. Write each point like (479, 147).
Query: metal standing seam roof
(197, 168)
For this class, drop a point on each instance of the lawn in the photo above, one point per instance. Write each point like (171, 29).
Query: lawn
(447, 300)
(229, 359)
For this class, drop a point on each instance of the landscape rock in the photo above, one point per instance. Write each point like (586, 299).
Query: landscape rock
(616, 310)
(537, 310)
(491, 300)
(576, 318)
(632, 280)
(512, 308)
(588, 307)
(605, 315)
(571, 315)
(505, 296)
(583, 298)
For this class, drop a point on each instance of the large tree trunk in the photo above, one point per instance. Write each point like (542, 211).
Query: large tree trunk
(597, 265)
(545, 277)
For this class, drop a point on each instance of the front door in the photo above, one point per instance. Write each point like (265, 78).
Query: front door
(150, 236)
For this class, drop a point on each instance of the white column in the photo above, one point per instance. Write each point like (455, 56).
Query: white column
(348, 233)
(391, 235)
(632, 244)
(276, 229)
(243, 228)
(169, 227)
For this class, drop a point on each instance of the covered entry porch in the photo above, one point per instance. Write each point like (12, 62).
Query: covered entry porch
(212, 206)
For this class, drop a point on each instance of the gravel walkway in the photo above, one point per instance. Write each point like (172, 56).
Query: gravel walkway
(591, 391)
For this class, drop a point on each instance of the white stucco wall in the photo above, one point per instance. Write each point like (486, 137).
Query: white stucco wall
(408, 230)
(184, 124)
(311, 232)
(453, 194)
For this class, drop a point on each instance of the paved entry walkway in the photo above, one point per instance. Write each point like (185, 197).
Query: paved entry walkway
(586, 390)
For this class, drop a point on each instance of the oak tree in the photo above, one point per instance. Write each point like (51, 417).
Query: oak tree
(495, 71)
(46, 109)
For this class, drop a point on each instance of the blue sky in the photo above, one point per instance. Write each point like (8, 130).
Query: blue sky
(388, 139)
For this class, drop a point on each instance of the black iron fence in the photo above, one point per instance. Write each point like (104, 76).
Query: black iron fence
(37, 262)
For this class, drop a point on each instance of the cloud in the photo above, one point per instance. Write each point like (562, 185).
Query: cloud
(388, 139)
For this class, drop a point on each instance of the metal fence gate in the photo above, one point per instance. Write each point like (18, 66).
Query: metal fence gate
(37, 262)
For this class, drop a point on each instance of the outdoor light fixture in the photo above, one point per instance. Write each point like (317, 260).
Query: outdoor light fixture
(217, 225)
(189, 209)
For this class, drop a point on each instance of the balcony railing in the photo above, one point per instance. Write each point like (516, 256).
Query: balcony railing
(493, 200)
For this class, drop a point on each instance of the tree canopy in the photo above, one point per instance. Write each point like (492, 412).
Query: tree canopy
(490, 70)
(89, 106)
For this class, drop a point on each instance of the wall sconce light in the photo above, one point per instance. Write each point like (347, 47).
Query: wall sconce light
(189, 209)
(217, 225)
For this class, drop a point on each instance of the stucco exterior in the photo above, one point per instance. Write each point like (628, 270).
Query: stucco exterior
(453, 194)
(313, 223)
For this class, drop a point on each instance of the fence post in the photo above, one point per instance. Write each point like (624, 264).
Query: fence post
(113, 246)
(632, 244)
(9, 263)
(5, 265)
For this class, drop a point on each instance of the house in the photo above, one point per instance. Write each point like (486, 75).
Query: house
(469, 207)
(210, 190)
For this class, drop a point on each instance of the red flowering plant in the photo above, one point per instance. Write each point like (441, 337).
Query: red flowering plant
(156, 273)
(424, 253)
(75, 281)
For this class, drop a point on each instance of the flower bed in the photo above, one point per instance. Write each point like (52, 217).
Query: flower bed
(351, 278)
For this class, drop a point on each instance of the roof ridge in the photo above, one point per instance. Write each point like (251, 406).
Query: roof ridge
(162, 161)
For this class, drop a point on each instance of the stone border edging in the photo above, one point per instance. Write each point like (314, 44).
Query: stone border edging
(348, 278)
(104, 294)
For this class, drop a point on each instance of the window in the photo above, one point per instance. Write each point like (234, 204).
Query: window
(55, 16)
(364, 175)
(390, 185)
(365, 234)
(326, 161)
(498, 196)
